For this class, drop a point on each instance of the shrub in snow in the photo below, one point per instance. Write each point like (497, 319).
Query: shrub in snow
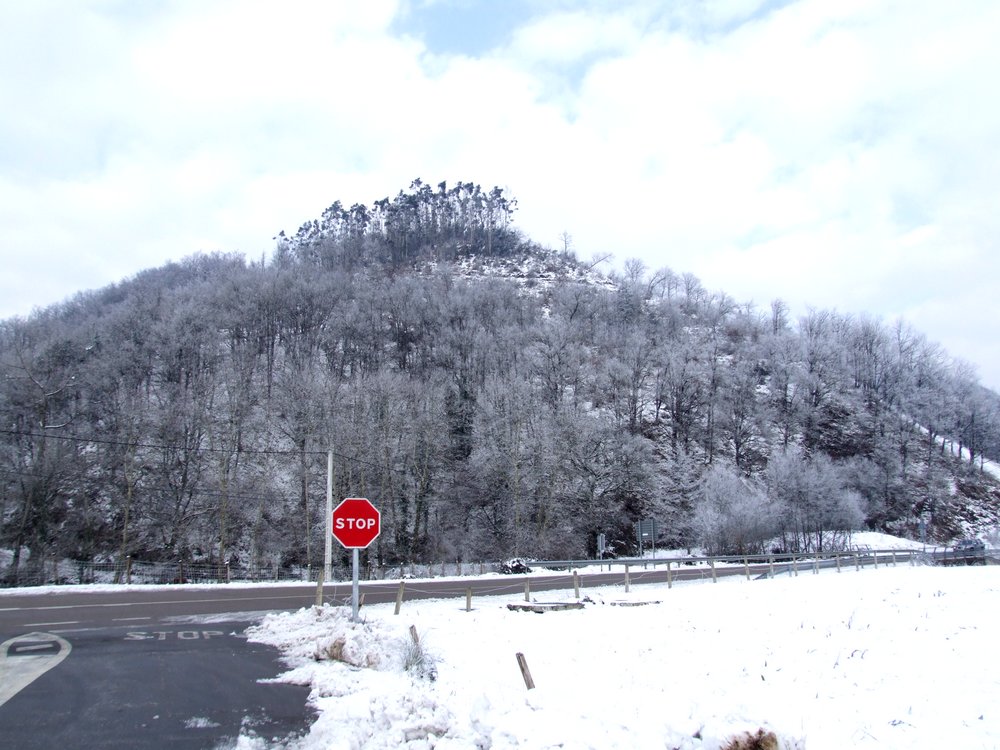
(418, 662)
(513, 566)
(760, 741)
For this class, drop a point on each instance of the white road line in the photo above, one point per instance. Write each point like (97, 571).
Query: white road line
(129, 619)
(34, 647)
(150, 603)
(42, 624)
(20, 609)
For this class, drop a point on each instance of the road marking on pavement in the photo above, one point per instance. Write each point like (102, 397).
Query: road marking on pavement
(265, 597)
(45, 624)
(129, 619)
(181, 635)
(26, 658)
(23, 648)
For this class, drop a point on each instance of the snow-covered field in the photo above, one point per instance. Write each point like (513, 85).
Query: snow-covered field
(899, 657)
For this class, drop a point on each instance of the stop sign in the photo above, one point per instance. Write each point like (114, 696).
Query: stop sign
(356, 523)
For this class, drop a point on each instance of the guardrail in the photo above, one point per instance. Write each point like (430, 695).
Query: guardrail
(70, 572)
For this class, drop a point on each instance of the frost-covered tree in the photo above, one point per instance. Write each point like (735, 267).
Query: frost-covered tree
(733, 515)
(818, 511)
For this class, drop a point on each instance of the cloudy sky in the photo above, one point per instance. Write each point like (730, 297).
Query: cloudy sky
(839, 154)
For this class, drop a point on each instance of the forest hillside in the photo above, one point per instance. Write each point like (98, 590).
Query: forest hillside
(493, 397)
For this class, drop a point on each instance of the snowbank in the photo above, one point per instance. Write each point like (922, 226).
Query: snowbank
(895, 657)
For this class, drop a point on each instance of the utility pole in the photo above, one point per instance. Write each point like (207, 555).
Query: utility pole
(327, 530)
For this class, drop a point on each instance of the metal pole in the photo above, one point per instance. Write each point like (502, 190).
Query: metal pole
(354, 586)
(328, 534)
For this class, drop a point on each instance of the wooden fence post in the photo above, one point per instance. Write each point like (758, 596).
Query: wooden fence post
(715, 578)
(525, 673)
(527, 590)
(468, 599)
(627, 580)
(576, 584)
(319, 589)
(670, 575)
(399, 596)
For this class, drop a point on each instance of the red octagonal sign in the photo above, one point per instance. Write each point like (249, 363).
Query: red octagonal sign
(356, 523)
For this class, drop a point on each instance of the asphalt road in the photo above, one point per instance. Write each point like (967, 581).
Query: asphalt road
(150, 685)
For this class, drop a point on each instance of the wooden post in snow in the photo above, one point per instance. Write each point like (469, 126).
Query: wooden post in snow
(319, 589)
(525, 672)
(399, 596)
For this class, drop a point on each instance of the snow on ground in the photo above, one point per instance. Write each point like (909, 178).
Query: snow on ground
(898, 657)
(876, 540)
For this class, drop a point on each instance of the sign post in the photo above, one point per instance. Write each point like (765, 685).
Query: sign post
(645, 529)
(356, 524)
